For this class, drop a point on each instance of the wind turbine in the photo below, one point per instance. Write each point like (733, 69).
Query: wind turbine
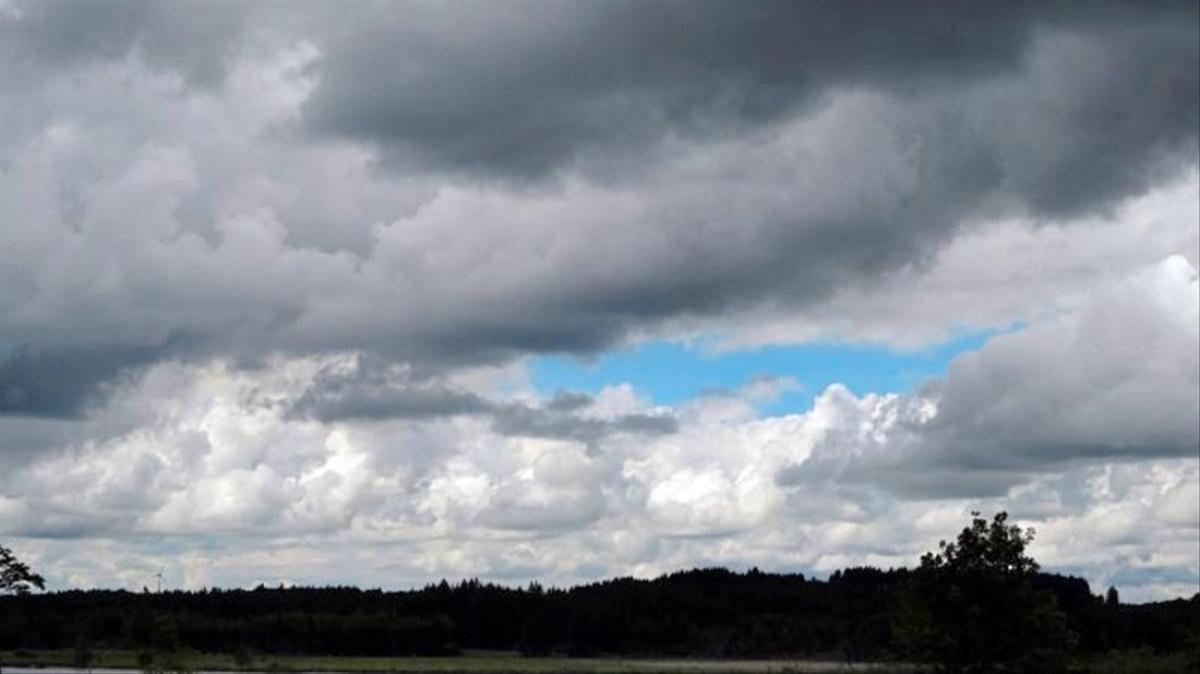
(158, 577)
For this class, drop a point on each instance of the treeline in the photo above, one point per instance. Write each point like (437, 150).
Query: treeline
(708, 612)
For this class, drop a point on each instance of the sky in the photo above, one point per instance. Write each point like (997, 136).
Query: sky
(382, 293)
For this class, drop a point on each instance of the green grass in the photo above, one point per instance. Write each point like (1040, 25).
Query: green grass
(470, 663)
(1139, 662)
(502, 662)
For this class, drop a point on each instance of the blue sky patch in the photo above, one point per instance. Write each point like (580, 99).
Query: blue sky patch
(674, 372)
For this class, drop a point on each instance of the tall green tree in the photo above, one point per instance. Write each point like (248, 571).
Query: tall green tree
(15, 576)
(970, 607)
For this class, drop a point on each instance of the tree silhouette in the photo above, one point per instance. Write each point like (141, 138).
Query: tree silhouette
(970, 606)
(1111, 598)
(15, 576)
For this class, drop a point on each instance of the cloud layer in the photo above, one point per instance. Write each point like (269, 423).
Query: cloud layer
(271, 276)
(1098, 452)
(168, 206)
(1117, 379)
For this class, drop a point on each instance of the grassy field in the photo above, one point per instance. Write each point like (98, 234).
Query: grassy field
(471, 663)
(511, 663)
(1140, 662)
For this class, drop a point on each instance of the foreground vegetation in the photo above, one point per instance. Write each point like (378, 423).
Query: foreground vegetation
(470, 663)
(488, 662)
(704, 613)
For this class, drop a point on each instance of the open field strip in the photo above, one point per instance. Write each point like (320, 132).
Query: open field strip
(474, 663)
(492, 662)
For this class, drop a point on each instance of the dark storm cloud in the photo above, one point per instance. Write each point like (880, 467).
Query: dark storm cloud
(722, 156)
(520, 89)
(375, 390)
(523, 90)
(64, 383)
(190, 37)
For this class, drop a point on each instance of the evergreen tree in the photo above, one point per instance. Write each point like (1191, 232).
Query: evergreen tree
(1112, 598)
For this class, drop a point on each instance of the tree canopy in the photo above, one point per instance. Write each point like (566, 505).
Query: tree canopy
(15, 576)
(701, 612)
(972, 606)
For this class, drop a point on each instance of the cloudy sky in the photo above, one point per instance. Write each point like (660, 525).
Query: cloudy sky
(381, 293)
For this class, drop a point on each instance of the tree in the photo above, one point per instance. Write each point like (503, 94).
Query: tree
(15, 576)
(970, 606)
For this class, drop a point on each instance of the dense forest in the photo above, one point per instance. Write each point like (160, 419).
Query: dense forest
(710, 612)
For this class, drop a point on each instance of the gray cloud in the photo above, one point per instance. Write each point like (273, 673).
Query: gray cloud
(64, 383)
(524, 90)
(375, 390)
(569, 401)
(784, 152)
(1119, 381)
(439, 186)
(192, 38)
(520, 420)
(201, 470)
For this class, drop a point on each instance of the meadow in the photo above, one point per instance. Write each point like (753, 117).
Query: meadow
(505, 662)
(481, 662)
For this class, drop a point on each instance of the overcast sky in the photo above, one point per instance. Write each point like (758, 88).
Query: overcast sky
(381, 293)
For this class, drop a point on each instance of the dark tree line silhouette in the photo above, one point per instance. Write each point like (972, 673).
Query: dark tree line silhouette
(978, 604)
(703, 612)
